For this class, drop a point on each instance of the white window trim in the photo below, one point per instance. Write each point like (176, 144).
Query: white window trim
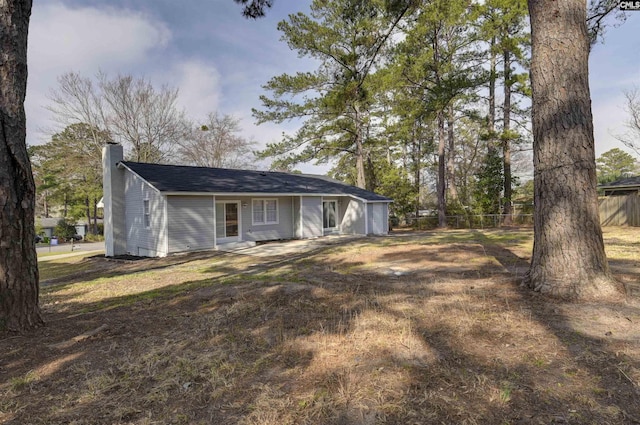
(264, 210)
(337, 214)
(146, 215)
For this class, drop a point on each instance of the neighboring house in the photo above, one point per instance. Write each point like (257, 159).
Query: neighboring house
(624, 186)
(154, 210)
(49, 224)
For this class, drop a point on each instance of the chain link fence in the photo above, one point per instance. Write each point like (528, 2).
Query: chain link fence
(470, 221)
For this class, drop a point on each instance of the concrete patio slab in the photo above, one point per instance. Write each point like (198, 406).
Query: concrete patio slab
(292, 247)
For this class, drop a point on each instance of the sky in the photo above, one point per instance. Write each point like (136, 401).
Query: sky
(219, 60)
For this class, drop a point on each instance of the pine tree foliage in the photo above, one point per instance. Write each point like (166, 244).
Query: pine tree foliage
(68, 171)
(615, 164)
(334, 102)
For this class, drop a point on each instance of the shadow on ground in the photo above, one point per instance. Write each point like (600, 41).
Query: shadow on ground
(405, 330)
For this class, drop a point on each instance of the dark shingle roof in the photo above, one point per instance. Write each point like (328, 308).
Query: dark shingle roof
(625, 182)
(175, 178)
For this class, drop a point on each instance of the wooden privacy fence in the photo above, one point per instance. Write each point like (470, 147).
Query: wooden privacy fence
(621, 210)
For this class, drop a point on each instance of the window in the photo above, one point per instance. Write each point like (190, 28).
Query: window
(147, 213)
(329, 214)
(265, 211)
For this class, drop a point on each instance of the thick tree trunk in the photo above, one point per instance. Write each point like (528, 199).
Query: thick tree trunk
(506, 140)
(370, 173)
(95, 216)
(417, 163)
(568, 254)
(361, 180)
(451, 174)
(87, 204)
(491, 118)
(19, 309)
(442, 205)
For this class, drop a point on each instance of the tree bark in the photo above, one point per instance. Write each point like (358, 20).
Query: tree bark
(442, 205)
(568, 254)
(361, 180)
(451, 172)
(506, 140)
(95, 216)
(417, 162)
(492, 92)
(87, 204)
(19, 309)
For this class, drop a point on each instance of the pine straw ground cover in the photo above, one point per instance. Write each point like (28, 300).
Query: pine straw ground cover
(428, 328)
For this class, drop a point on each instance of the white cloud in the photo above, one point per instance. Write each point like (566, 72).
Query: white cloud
(609, 120)
(84, 40)
(199, 88)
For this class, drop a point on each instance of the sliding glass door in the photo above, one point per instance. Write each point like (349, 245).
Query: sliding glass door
(227, 221)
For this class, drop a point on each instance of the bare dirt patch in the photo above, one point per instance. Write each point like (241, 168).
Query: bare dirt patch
(412, 329)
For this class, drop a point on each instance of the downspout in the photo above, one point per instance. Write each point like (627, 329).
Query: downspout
(215, 226)
(322, 213)
(165, 198)
(366, 218)
(301, 220)
(293, 221)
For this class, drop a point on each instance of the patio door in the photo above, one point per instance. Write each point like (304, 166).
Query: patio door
(227, 221)
(329, 216)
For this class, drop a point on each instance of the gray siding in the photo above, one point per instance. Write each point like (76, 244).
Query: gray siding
(264, 232)
(140, 239)
(311, 212)
(113, 185)
(343, 204)
(339, 209)
(297, 229)
(352, 220)
(378, 217)
(190, 223)
(385, 218)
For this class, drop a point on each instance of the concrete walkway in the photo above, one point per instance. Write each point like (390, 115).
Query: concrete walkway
(70, 254)
(64, 250)
(287, 248)
(293, 247)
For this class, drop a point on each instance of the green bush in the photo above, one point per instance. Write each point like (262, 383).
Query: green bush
(94, 238)
(64, 229)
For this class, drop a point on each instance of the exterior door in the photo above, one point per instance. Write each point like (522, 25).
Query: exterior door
(329, 216)
(227, 221)
(378, 219)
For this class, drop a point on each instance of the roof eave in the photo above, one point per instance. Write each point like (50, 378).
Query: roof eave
(263, 194)
(122, 165)
(627, 186)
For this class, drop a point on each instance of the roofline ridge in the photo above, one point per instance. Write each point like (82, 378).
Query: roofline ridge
(207, 168)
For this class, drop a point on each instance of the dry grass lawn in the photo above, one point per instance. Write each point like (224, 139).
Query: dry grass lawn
(416, 328)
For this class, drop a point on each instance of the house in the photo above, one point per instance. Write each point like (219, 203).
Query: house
(624, 186)
(48, 225)
(154, 210)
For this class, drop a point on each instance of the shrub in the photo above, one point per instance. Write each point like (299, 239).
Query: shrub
(65, 229)
(94, 238)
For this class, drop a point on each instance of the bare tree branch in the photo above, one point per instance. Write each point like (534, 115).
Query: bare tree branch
(631, 138)
(217, 144)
